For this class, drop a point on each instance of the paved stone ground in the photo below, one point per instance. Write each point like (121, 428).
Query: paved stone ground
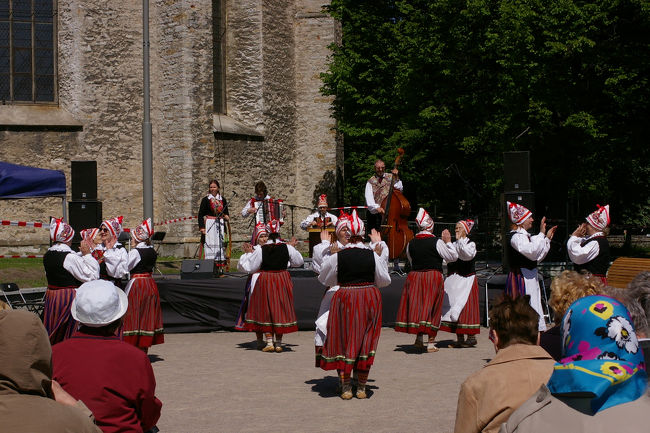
(218, 382)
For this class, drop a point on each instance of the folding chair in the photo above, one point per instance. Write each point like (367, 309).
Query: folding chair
(12, 295)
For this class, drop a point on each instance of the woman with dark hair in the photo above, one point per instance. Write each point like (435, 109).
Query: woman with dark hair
(270, 306)
(213, 214)
(354, 322)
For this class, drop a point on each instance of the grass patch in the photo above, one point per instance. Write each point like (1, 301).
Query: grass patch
(25, 273)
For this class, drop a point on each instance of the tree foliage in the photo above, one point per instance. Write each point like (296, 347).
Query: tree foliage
(456, 83)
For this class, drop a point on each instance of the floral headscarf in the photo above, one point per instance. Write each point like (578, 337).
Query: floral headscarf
(602, 357)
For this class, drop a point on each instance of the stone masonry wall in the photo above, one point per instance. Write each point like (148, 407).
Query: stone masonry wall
(276, 50)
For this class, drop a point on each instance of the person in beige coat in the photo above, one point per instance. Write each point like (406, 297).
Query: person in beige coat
(30, 401)
(520, 367)
(599, 386)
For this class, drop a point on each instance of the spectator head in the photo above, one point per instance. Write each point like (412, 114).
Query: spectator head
(99, 306)
(602, 359)
(570, 286)
(639, 290)
(26, 355)
(513, 321)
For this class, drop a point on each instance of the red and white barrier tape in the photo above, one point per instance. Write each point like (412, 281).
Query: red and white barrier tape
(348, 207)
(175, 220)
(21, 257)
(24, 224)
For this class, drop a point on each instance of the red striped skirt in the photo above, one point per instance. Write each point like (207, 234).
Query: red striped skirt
(469, 320)
(420, 307)
(515, 284)
(270, 307)
(143, 325)
(353, 329)
(56, 314)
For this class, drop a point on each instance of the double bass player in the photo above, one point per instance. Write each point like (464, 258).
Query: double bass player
(377, 189)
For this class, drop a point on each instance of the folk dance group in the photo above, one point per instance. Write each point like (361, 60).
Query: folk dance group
(102, 257)
(349, 320)
(587, 248)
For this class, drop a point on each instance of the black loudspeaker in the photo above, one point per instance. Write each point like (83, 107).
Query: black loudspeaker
(83, 180)
(197, 269)
(84, 215)
(516, 171)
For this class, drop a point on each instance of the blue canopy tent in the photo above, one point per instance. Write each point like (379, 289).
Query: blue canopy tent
(19, 181)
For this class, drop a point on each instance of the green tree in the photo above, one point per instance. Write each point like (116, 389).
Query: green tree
(458, 83)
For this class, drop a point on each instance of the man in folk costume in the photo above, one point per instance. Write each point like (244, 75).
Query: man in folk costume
(354, 322)
(377, 189)
(420, 306)
(113, 264)
(271, 308)
(523, 252)
(213, 212)
(322, 218)
(321, 253)
(588, 247)
(460, 311)
(260, 236)
(65, 270)
(143, 325)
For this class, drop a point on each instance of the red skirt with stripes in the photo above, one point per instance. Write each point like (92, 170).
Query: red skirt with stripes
(270, 307)
(420, 307)
(353, 330)
(56, 314)
(515, 285)
(469, 320)
(143, 325)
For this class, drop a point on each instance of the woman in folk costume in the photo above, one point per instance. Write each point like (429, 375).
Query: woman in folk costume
(588, 247)
(323, 251)
(270, 307)
(92, 237)
(65, 270)
(523, 252)
(113, 263)
(143, 325)
(460, 311)
(260, 236)
(354, 322)
(421, 304)
(213, 212)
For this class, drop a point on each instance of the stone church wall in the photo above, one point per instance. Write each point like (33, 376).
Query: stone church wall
(275, 53)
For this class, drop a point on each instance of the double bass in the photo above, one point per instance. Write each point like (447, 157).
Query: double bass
(394, 222)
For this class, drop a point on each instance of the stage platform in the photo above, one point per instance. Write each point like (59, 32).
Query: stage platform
(212, 304)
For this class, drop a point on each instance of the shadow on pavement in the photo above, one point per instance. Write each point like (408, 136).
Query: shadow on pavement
(327, 387)
(252, 345)
(155, 358)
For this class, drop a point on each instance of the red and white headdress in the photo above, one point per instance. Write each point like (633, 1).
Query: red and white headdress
(518, 213)
(467, 225)
(599, 219)
(60, 231)
(322, 200)
(143, 232)
(114, 225)
(345, 220)
(260, 229)
(273, 226)
(357, 227)
(424, 220)
(89, 234)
